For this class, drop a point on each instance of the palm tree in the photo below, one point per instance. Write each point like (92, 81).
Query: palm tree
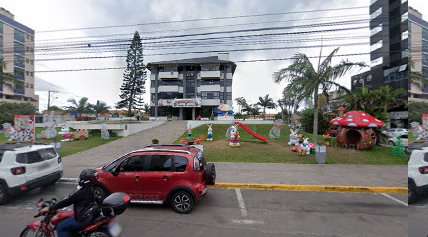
(388, 97)
(99, 107)
(82, 106)
(306, 80)
(266, 102)
(242, 102)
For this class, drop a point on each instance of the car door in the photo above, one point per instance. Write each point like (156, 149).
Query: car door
(50, 162)
(157, 176)
(128, 178)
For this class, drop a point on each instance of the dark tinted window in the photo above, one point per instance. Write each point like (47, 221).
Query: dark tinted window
(1, 155)
(159, 163)
(48, 154)
(180, 164)
(29, 157)
(426, 157)
(133, 164)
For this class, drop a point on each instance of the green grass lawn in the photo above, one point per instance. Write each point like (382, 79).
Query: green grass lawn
(278, 151)
(69, 148)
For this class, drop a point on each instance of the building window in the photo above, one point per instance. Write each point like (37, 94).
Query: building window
(376, 45)
(376, 30)
(19, 48)
(405, 35)
(19, 61)
(32, 74)
(376, 13)
(27, 72)
(404, 17)
(376, 62)
(19, 36)
(209, 95)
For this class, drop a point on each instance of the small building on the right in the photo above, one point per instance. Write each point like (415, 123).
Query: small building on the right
(418, 35)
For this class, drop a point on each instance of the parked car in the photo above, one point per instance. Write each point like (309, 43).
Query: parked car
(25, 167)
(395, 132)
(177, 175)
(417, 145)
(417, 174)
(403, 138)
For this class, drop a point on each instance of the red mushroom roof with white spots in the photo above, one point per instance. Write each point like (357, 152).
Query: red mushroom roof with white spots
(357, 119)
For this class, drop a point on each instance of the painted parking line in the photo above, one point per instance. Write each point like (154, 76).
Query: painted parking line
(394, 199)
(244, 212)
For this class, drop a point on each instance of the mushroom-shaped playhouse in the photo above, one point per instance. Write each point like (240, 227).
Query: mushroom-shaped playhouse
(356, 129)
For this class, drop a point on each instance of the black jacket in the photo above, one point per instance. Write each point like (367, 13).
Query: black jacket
(82, 200)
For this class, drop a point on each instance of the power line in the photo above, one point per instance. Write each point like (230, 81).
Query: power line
(204, 19)
(195, 28)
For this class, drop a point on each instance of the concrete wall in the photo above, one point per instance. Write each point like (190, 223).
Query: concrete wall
(197, 123)
(121, 129)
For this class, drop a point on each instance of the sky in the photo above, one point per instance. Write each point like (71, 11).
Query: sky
(251, 80)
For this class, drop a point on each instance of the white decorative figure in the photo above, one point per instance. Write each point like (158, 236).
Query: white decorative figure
(105, 135)
(294, 138)
(210, 136)
(234, 138)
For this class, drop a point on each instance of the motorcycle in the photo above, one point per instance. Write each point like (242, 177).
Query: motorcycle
(104, 224)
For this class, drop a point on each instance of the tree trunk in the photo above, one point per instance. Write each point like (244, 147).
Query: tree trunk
(315, 127)
(264, 113)
(385, 111)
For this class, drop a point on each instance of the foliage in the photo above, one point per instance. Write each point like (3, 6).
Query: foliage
(242, 103)
(375, 102)
(134, 78)
(80, 107)
(416, 109)
(307, 120)
(266, 102)
(9, 110)
(305, 80)
(99, 107)
(56, 108)
(252, 109)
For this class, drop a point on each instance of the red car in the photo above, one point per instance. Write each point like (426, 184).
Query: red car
(177, 175)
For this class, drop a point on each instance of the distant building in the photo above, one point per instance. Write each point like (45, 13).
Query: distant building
(418, 29)
(191, 88)
(17, 54)
(389, 46)
(389, 53)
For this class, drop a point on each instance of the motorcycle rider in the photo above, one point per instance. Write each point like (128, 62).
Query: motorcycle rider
(84, 203)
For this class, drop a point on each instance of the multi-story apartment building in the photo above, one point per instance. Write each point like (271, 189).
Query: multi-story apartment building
(189, 88)
(418, 43)
(389, 52)
(17, 55)
(389, 46)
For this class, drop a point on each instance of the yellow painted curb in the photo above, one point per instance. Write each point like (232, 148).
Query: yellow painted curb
(311, 188)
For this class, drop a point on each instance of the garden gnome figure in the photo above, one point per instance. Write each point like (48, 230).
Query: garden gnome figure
(210, 135)
(234, 138)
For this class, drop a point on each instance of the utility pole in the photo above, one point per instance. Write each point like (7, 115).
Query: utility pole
(49, 98)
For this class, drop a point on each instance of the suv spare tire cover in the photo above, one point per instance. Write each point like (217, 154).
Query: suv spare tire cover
(210, 174)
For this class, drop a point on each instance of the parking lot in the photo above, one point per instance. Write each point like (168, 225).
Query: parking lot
(418, 217)
(245, 213)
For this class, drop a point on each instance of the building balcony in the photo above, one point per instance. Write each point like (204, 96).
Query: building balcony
(170, 89)
(168, 75)
(210, 102)
(210, 74)
(209, 88)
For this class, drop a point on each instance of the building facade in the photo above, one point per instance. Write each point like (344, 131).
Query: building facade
(389, 53)
(17, 55)
(191, 88)
(389, 46)
(418, 43)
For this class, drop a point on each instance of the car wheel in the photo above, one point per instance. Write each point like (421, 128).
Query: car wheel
(100, 193)
(391, 143)
(182, 202)
(411, 192)
(4, 195)
(210, 174)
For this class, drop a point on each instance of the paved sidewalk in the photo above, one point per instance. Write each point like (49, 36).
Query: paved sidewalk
(166, 133)
(360, 175)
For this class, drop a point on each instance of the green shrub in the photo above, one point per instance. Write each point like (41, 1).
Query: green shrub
(9, 110)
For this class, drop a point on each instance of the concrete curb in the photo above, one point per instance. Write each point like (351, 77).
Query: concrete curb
(294, 187)
(312, 188)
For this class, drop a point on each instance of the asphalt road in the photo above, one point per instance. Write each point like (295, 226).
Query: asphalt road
(418, 218)
(245, 213)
